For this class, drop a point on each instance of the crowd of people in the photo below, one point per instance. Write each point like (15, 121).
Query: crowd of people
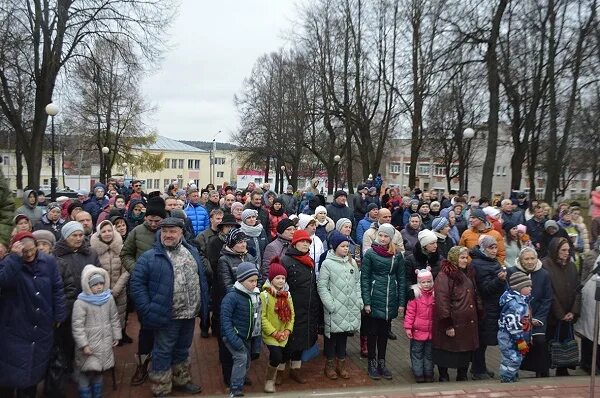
(258, 268)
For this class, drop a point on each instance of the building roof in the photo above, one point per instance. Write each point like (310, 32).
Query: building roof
(167, 144)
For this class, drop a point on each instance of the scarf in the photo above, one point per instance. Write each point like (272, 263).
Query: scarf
(381, 250)
(95, 299)
(282, 306)
(322, 223)
(276, 213)
(253, 232)
(305, 259)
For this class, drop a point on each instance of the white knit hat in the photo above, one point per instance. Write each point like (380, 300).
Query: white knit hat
(426, 237)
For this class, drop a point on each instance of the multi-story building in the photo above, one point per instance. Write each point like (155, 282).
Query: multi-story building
(8, 165)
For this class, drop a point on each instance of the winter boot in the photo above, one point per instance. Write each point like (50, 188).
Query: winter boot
(341, 369)
(162, 383)
(141, 371)
(97, 390)
(330, 370)
(364, 351)
(85, 392)
(281, 373)
(295, 373)
(270, 379)
(373, 370)
(383, 371)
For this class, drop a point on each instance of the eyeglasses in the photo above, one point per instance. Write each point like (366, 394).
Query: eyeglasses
(137, 186)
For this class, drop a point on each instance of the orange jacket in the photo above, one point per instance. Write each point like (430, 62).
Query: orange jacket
(470, 239)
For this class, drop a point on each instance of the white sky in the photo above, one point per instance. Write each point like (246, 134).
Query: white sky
(214, 45)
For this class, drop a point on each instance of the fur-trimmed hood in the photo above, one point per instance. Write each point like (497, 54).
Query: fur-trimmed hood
(102, 247)
(418, 292)
(87, 273)
(538, 266)
(453, 272)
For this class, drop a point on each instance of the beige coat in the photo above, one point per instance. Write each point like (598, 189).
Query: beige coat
(108, 254)
(96, 326)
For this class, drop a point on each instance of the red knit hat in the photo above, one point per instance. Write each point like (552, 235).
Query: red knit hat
(20, 236)
(276, 269)
(299, 236)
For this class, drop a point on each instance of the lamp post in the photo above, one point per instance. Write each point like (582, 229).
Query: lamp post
(468, 133)
(281, 181)
(103, 168)
(337, 159)
(124, 164)
(213, 158)
(52, 110)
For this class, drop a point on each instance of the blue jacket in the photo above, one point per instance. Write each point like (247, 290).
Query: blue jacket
(31, 300)
(152, 286)
(363, 226)
(515, 317)
(94, 206)
(198, 216)
(541, 295)
(238, 317)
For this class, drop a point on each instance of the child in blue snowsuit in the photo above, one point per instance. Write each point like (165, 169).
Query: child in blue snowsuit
(514, 331)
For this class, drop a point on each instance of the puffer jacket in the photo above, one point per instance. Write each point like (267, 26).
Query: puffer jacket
(46, 225)
(198, 216)
(419, 314)
(419, 260)
(239, 314)
(270, 320)
(410, 238)
(152, 286)
(31, 301)
(515, 317)
(96, 326)
(595, 204)
(324, 229)
(108, 255)
(490, 288)
(382, 284)
(470, 239)
(34, 213)
(339, 290)
(227, 269)
(138, 241)
(363, 226)
(337, 211)
(371, 234)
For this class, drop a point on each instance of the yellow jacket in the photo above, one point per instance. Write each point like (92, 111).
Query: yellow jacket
(270, 321)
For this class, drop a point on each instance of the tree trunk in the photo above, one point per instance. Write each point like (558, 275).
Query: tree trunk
(267, 165)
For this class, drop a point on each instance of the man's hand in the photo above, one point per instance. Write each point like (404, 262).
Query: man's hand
(17, 248)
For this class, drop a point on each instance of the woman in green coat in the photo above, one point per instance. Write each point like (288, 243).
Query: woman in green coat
(339, 289)
(383, 289)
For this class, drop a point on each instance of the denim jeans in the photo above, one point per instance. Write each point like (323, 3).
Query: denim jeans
(335, 346)
(172, 344)
(241, 364)
(420, 358)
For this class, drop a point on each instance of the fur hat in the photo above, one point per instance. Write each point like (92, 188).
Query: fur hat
(284, 224)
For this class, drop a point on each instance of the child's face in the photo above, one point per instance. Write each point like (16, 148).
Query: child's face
(278, 282)
(250, 283)
(44, 247)
(342, 249)
(426, 284)
(97, 288)
(525, 291)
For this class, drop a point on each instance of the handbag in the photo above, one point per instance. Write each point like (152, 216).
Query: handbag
(310, 353)
(565, 353)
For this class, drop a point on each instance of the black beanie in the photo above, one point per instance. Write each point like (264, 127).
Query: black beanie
(156, 207)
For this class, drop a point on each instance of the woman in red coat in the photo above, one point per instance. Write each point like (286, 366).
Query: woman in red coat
(276, 214)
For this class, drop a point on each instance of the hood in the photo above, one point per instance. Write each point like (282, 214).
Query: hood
(131, 205)
(267, 286)
(445, 212)
(26, 195)
(333, 257)
(101, 247)
(86, 274)
(538, 266)
(510, 295)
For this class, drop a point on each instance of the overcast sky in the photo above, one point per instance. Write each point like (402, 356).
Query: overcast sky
(214, 46)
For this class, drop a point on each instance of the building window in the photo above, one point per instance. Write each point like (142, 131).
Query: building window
(197, 164)
(180, 163)
(6, 160)
(166, 183)
(46, 182)
(219, 160)
(424, 169)
(454, 170)
(190, 163)
(406, 168)
(156, 183)
(439, 170)
(220, 174)
(167, 163)
(173, 163)
(49, 160)
(395, 167)
(149, 183)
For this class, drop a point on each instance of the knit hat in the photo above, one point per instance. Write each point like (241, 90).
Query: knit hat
(172, 222)
(304, 220)
(236, 205)
(551, 224)
(276, 269)
(20, 236)
(284, 224)
(479, 214)
(234, 237)
(372, 206)
(387, 229)
(519, 280)
(95, 279)
(299, 236)
(70, 227)
(249, 213)
(435, 203)
(83, 192)
(413, 202)
(339, 193)
(320, 209)
(156, 207)
(42, 235)
(486, 241)
(341, 222)
(454, 253)
(490, 211)
(20, 217)
(522, 228)
(245, 270)
(439, 223)
(423, 274)
(229, 219)
(426, 237)
(53, 205)
(336, 238)
(508, 225)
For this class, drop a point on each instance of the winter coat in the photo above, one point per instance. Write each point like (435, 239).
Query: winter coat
(456, 307)
(290, 203)
(410, 238)
(273, 222)
(263, 215)
(34, 213)
(46, 225)
(94, 206)
(197, 214)
(419, 314)
(535, 229)
(371, 234)
(276, 248)
(514, 217)
(256, 244)
(363, 226)
(583, 230)
(444, 244)
(227, 269)
(152, 286)
(339, 290)
(323, 230)
(302, 282)
(96, 326)
(470, 239)
(595, 204)
(490, 288)
(270, 321)
(108, 255)
(31, 301)
(239, 316)
(585, 324)
(131, 221)
(420, 260)
(515, 317)
(360, 206)
(382, 284)
(139, 241)
(336, 211)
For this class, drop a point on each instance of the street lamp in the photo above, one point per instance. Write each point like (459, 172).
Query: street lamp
(337, 159)
(103, 169)
(468, 134)
(213, 157)
(281, 181)
(52, 110)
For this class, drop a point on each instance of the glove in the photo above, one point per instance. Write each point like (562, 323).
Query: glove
(522, 346)
(409, 333)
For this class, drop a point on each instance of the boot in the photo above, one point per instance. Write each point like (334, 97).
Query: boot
(341, 369)
(97, 390)
(281, 374)
(383, 371)
(295, 373)
(364, 351)
(141, 371)
(330, 370)
(373, 370)
(270, 379)
(85, 392)
(461, 374)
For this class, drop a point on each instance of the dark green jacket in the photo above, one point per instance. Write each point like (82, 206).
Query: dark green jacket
(382, 284)
(139, 240)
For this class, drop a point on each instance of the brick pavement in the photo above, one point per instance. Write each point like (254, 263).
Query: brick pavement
(206, 371)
